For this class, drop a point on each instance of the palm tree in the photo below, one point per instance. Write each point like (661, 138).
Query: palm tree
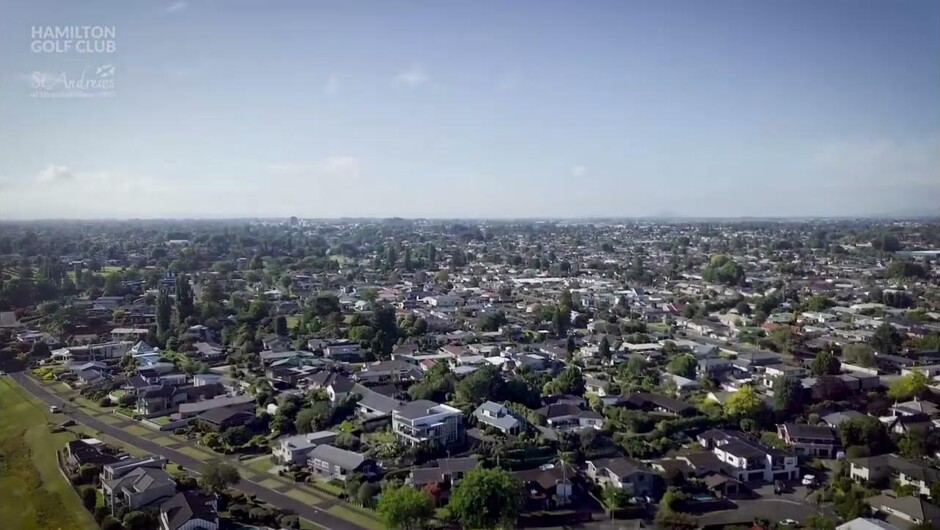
(498, 450)
(566, 460)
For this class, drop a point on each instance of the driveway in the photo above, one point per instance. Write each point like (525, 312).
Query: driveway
(320, 517)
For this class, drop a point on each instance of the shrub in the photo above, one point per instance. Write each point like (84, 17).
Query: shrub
(110, 523)
(89, 498)
(104, 402)
(101, 512)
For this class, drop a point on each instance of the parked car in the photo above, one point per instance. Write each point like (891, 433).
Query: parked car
(780, 487)
(809, 481)
(68, 423)
(790, 522)
(53, 409)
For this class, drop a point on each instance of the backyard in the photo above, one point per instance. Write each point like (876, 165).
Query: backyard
(36, 495)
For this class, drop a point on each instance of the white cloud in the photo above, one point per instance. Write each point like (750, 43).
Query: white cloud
(332, 85)
(578, 171)
(413, 77)
(176, 7)
(53, 173)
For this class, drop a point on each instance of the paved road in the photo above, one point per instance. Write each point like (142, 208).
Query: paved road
(311, 513)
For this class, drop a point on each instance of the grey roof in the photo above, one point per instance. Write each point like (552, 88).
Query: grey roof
(306, 441)
(188, 505)
(416, 409)
(836, 418)
(225, 401)
(816, 432)
(445, 466)
(912, 506)
(375, 401)
(142, 479)
(336, 456)
(501, 417)
(621, 467)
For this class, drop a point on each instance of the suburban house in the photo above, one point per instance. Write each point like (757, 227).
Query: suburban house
(132, 334)
(882, 469)
(624, 473)
(750, 459)
(190, 510)
(87, 451)
(374, 405)
(343, 350)
(296, 449)
(650, 402)
(913, 510)
(568, 416)
(422, 421)
(243, 402)
(331, 462)
(809, 440)
(126, 465)
(447, 473)
(220, 419)
(99, 352)
(499, 417)
(545, 487)
(139, 487)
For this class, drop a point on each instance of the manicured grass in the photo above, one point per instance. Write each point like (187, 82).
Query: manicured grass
(189, 450)
(309, 525)
(262, 464)
(161, 420)
(336, 490)
(346, 511)
(138, 430)
(303, 496)
(35, 494)
(271, 483)
(110, 419)
(164, 440)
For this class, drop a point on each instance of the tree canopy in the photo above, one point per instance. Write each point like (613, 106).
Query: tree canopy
(486, 498)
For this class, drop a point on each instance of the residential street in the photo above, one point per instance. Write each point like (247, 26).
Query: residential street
(250, 487)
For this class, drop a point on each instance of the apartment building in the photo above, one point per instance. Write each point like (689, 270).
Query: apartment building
(750, 459)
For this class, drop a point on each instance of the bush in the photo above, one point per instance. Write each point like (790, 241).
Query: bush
(104, 402)
(89, 498)
(101, 512)
(110, 523)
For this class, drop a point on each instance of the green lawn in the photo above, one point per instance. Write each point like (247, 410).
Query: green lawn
(262, 464)
(303, 497)
(270, 483)
(309, 525)
(189, 450)
(358, 516)
(35, 494)
(138, 430)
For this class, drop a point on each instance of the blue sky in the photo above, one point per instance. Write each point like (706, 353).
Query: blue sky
(243, 108)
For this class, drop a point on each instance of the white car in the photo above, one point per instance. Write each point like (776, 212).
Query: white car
(809, 480)
(53, 409)
(789, 522)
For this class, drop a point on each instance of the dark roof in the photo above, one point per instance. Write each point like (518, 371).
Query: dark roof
(220, 416)
(621, 466)
(445, 466)
(164, 391)
(416, 409)
(816, 432)
(545, 478)
(189, 505)
(558, 410)
(642, 399)
(85, 453)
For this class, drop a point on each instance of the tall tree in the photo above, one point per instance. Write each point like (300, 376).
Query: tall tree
(219, 476)
(744, 403)
(164, 313)
(486, 498)
(825, 363)
(789, 394)
(405, 508)
(886, 339)
(184, 298)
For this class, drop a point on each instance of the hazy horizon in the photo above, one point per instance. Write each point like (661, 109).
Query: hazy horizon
(241, 109)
